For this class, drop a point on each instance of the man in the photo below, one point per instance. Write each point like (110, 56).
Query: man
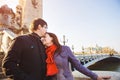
(26, 57)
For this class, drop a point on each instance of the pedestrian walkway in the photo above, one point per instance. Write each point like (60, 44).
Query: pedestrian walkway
(79, 76)
(114, 75)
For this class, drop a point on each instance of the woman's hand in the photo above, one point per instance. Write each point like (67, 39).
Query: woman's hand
(103, 77)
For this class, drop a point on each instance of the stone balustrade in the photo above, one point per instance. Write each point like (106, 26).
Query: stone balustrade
(114, 75)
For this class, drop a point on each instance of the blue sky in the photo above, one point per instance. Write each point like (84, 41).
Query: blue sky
(83, 22)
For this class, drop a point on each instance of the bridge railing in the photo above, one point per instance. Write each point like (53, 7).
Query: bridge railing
(89, 59)
(84, 59)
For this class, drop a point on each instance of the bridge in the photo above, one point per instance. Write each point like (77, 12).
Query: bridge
(88, 60)
(91, 59)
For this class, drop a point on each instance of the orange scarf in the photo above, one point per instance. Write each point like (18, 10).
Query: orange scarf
(51, 66)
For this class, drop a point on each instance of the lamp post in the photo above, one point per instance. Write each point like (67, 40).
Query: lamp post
(73, 48)
(64, 40)
(82, 50)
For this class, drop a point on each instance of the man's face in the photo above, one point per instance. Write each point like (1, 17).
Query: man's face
(43, 30)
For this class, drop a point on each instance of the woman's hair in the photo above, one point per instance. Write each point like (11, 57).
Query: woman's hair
(55, 41)
(35, 23)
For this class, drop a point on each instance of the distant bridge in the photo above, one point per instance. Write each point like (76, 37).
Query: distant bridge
(88, 60)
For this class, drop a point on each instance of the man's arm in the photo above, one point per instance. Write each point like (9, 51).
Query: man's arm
(10, 63)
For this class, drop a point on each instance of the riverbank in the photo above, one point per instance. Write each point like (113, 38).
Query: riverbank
(114, 75)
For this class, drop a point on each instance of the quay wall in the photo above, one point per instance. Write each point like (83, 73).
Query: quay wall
(114, 75)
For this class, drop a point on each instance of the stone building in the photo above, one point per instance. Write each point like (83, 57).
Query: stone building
(30, 9)
(14, 24)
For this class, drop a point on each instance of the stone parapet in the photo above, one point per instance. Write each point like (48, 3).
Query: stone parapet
(114, 75)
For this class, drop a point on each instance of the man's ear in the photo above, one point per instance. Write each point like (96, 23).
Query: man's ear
(39, 27)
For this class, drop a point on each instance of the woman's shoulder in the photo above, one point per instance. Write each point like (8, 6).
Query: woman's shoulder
(65, 47)
(65, 51)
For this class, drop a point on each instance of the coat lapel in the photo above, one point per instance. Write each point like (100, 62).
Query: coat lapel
(40, 46)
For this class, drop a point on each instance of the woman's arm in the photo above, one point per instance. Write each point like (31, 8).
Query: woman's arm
(73, 60)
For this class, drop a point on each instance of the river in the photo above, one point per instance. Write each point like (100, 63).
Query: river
(111, 65)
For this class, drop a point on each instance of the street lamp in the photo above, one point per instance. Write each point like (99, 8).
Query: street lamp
(64, 40)
(73, 48)
(82, 50)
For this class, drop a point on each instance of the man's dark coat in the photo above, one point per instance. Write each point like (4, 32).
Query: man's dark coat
(25, 59)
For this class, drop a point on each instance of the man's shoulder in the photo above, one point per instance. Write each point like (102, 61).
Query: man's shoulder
(23, 37)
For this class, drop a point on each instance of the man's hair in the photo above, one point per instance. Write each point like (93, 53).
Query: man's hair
(36, 22)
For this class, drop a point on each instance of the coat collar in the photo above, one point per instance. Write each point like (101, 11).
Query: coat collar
(36, 35)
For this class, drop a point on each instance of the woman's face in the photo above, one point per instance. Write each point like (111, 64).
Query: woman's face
(47, 40)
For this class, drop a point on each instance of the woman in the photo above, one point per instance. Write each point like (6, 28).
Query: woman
(60, 56)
